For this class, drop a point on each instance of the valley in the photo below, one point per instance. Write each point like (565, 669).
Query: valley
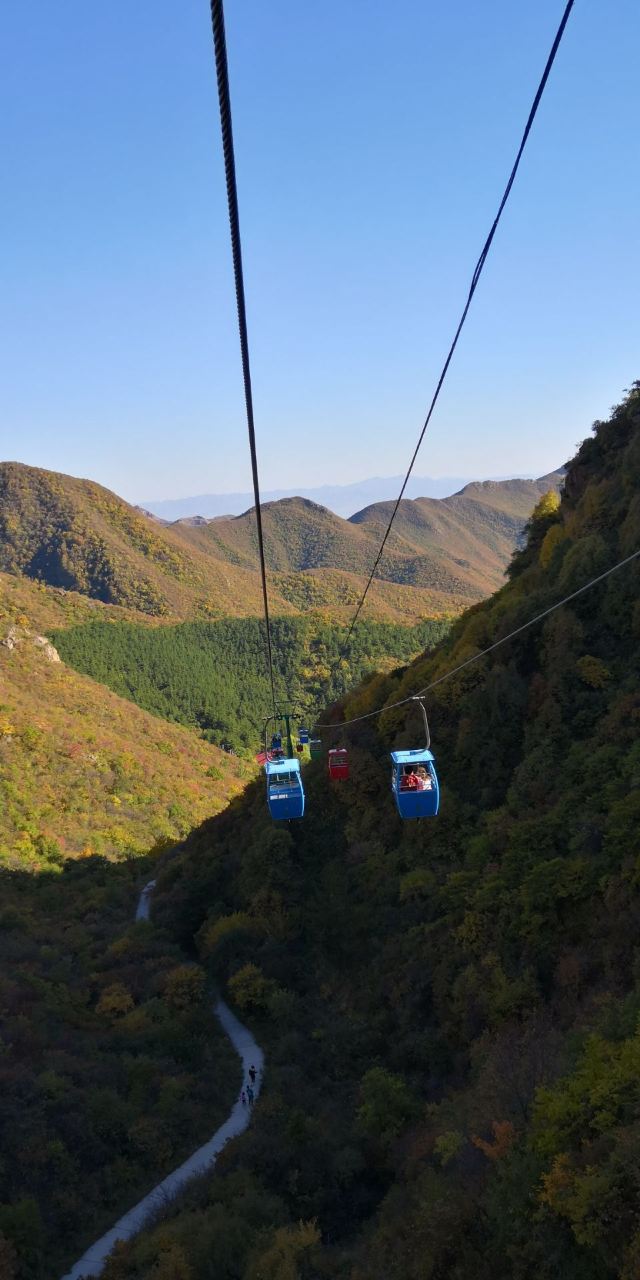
(448, 1008)
(320, 805)
(211, 676)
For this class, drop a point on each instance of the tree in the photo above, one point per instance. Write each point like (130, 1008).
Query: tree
(386, 1107)
(285, 1257)
(249, 988)
(115, 1001)
(185, 986)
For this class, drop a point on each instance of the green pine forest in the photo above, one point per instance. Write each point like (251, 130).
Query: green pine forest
(212, 675)
(449, 1009)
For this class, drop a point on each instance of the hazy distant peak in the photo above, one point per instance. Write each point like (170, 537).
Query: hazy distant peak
(150, 515)
(518, 484)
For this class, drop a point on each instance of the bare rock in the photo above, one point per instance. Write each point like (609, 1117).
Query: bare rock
(48, 650)
(11, 639)
(18, 635)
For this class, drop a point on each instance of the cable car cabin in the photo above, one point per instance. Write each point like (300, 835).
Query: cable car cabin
(414, 782)
(338, 763)
(285, 793)
(315, 747)
(303, 734)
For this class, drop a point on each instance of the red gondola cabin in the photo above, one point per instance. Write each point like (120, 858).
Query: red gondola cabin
(338, 763)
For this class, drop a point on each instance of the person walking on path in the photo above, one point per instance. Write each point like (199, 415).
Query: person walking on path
(250, 1095)
(243, 1098)
(252, 1074)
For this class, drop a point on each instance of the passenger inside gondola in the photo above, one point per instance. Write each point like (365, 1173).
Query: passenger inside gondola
(415, 779)
(408, 779)
(425, 781)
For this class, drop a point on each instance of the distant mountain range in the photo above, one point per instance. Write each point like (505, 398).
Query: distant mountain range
(342, 499)
(443, 554)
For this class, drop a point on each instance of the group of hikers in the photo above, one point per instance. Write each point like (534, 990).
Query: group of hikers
(248, 1093)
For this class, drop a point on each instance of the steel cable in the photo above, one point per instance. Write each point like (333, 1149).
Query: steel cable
(224, 97)
(473, 286)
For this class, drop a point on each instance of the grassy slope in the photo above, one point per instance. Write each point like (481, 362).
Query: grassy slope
(82, 770)
(75, 534)
(450, 1008)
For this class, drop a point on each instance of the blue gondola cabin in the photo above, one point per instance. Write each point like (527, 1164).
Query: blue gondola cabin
(285, 792)
(414, 782)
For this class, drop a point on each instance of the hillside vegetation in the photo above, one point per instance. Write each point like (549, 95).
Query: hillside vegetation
(111, 1063)
(81, 770)
(212, 677)
(76, 535)
(450, 1008)
(458, 545)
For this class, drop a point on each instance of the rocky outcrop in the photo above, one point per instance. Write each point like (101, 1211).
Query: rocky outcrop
(20, 635)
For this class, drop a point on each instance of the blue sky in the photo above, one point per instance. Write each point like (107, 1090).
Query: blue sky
(373, 142)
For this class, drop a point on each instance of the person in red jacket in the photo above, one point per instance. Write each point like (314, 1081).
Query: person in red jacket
(408, 781)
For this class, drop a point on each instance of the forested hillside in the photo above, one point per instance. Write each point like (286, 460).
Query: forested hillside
(111, 1064)
(81, 770)
(76, 535)
(450, 1008)
(212, 677)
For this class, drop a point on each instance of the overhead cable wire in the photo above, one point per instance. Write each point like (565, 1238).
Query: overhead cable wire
(420, 693)
(224, 97)
(472, 288)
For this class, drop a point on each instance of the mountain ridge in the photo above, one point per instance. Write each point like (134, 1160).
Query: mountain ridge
(77, 535)
(342, 500)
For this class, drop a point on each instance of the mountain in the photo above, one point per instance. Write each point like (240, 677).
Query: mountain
(342, 499)
(76, 535)
(81, 770)
(458, 545)
(449, 1008)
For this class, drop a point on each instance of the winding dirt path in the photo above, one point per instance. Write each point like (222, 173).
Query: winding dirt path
(92, 1262)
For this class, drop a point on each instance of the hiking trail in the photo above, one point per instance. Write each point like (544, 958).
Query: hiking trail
(202, 1161)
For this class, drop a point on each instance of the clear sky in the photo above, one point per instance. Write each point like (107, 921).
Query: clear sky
(373, 142)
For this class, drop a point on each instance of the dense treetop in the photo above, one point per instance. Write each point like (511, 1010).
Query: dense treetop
(212, 675)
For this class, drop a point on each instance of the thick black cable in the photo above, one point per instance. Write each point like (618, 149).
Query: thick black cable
(474, 283)
(222, 73)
